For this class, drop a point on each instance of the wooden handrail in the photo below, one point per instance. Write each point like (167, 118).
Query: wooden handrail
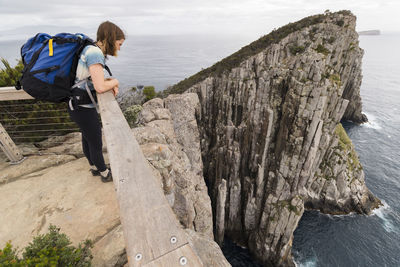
(152, 232)
(10, 93)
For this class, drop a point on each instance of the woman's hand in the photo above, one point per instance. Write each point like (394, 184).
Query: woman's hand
(115, 88)
(115, 91)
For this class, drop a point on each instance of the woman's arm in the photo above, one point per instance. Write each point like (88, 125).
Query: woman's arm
(100, 84)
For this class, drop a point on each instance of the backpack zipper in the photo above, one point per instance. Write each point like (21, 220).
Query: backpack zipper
(47, 70)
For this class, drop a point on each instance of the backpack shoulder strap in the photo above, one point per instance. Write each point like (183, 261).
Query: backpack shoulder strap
(107, 69)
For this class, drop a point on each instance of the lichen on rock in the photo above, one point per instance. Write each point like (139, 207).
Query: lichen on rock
(338, 186)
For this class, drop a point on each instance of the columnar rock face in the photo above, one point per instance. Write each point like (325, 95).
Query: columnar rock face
(270, 139)
(169, 139)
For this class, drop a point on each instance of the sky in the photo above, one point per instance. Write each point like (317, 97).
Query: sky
(155, 17)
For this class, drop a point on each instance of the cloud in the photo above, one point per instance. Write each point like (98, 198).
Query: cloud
(189, 16)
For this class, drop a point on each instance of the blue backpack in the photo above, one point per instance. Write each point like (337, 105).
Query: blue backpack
(50, 64)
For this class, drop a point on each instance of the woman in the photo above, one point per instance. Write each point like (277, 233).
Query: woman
(91, 64)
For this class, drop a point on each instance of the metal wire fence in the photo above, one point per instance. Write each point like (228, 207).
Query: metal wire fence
(32, 121)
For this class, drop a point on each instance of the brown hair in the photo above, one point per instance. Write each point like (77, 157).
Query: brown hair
(107, 34)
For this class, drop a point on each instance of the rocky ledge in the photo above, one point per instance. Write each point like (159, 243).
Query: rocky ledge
(54, 186)
(271, 140)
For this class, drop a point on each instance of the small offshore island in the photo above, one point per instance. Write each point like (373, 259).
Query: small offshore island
(370, 32)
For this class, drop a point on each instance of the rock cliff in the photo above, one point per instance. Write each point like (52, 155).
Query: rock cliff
(169, 139)
(271, 140)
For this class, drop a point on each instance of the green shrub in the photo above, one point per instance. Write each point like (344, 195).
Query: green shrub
(149, 92)
(51, 249)
(296, 49)
(335, 78)
(345, 145)
(322, 49)
(314, 29)
(340, 23)
(9, 76)
(131, 114)
(352, 46)
(8, 256)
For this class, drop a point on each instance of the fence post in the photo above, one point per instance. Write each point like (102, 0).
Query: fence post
(9, 148)
(6, 143)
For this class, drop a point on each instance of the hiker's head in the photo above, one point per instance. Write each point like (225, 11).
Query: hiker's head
(110, 38)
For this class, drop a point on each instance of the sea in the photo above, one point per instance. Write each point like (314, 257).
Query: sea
(320, 239)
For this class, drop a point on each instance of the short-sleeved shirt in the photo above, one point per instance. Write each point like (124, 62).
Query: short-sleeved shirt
(90, 55)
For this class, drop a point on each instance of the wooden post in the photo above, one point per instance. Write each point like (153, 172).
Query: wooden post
(153, 235)
(6, 143)
(9, 148)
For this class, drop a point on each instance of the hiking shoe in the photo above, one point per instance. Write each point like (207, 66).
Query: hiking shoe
(108, 178)
(95, 172)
